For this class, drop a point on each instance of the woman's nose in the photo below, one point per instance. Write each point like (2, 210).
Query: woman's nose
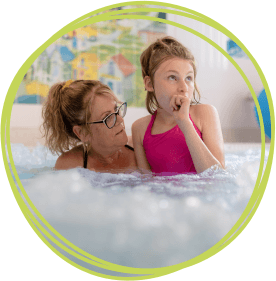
(119, 119)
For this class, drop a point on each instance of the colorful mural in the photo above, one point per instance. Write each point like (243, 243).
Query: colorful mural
(234, 50)
(108, 51)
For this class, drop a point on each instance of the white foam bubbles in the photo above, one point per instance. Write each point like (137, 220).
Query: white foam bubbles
(135, 220)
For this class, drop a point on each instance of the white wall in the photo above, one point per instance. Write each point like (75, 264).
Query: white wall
(26, 116)
(25, 124)
(26, 121)
(219, 81)
(29, 116)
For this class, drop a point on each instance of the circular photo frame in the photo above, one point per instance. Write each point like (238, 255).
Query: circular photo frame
(61, 246)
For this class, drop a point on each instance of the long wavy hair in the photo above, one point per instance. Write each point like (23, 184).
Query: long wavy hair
(157, 53)
(67, 106)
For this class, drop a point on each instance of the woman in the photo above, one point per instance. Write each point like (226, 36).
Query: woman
(83, 120)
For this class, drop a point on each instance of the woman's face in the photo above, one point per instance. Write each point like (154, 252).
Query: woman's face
(174, 76)
(103, 137)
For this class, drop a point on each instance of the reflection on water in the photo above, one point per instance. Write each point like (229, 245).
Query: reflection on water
(135, 220)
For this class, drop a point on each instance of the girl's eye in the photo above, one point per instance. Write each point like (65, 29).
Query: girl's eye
(172, 77)
(190, 78)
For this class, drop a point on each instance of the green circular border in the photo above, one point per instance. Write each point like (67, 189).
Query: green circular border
(50, 233)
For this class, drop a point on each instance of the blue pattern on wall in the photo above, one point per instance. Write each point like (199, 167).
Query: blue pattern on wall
(234, 50)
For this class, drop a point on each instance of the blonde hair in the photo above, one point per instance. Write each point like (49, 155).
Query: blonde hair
(155, 54)
(67, 106)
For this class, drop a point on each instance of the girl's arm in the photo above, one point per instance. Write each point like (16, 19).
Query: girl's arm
(209, 150)
(138, 132)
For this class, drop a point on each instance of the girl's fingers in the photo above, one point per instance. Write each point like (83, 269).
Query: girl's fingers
(173, 103)
(181, 100)
(177, 101)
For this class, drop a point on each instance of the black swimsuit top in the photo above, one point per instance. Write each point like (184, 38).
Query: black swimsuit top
(85, 155)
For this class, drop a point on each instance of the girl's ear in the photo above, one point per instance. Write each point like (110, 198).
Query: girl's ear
(78, 131)
(148, 84)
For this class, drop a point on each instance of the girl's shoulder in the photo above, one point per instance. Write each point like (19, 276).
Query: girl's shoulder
(70, 159)
(200, 109)
(201, 113)
(142, 122)
(140, 126)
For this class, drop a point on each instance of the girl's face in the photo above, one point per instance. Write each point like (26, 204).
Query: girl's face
(103, 138)
(174, 76)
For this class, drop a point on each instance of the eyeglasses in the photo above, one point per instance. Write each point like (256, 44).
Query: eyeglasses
(110, 120)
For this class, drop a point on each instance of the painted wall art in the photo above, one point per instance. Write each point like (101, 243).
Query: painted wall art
(108, 51)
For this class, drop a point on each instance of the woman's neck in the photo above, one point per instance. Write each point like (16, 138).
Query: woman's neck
(106, 158)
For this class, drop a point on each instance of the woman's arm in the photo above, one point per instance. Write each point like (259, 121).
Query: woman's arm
(209, 150)
(138, 131)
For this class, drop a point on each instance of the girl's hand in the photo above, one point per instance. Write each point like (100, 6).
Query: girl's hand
(180, 106)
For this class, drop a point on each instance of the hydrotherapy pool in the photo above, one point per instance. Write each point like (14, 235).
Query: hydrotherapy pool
(135, 220)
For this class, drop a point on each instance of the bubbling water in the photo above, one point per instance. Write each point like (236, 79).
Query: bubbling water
(139, 220)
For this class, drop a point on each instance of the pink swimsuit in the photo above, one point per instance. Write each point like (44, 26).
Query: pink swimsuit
(168, 153)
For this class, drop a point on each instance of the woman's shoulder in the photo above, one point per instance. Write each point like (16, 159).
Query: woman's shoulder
(70, 159)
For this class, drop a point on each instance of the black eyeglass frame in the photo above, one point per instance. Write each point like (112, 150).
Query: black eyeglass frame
(116, 113)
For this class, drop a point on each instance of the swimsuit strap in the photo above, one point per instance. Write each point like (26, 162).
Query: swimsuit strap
(129, 147)
(148, 130)
(85, 155)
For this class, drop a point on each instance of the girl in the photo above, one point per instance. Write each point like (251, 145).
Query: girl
(180, 135)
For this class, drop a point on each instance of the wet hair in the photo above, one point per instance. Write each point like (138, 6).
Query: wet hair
(157, 53)
(67, 106)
